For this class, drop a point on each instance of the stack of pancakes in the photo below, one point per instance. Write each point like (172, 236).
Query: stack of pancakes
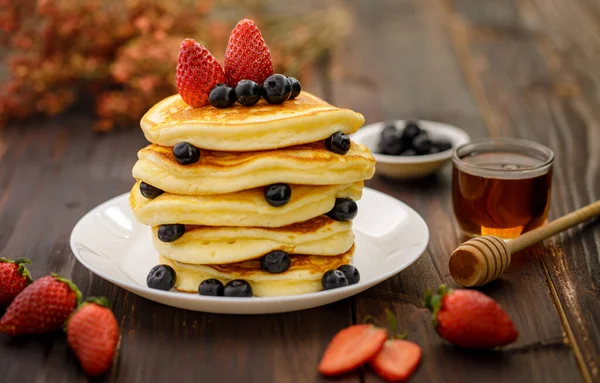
(229, 225)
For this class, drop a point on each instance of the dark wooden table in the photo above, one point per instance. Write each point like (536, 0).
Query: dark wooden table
(524, 68)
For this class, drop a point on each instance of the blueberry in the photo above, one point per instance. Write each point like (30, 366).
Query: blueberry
(247, 92)
(161, 277)
(170, 233)
(278, 194)
(212, 287)
(332, 279)
(410, 131)
(186, 153)
(409, 152)
(351, 273)
(296, 88)
(443, 145)
(433, 149)
(276, 89)
(389, 128)
(391, 142)
(344, 210)
(275, 262)
(421, 144)
(338, 143)
(222, 96)
(237, 288)
(149, 191)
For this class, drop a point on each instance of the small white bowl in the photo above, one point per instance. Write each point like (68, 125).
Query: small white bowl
(411, 167)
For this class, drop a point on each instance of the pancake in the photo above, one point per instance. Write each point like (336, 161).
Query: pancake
(243, 208)
(303, 276)
(227, 172)
(239, 128)
(221, 245)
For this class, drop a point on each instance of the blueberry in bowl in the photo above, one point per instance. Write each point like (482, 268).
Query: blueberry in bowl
(410, 149)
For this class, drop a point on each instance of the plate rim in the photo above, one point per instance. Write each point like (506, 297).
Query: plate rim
(190, 297)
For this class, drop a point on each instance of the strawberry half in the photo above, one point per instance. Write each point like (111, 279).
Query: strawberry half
(198, 72)
(41, 307)
(93, 334)
(352, 347)
(397, 360)
(470, 319)
(14, 277)
(247, 56)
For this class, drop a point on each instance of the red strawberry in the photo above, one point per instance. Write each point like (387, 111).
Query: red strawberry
(470, 319)
(197, 73)
(397, 360)
(42, 307)
(247, 56)
(14, 277)
(352, 347)
(93, 333)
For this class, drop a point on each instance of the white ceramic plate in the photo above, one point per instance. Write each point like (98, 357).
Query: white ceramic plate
(113, 245)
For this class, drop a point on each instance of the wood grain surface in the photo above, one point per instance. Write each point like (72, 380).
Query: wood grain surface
(523, 68)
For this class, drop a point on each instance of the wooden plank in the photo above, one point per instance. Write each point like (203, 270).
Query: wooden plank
(418, 75)
(541, 81)
(51, 174)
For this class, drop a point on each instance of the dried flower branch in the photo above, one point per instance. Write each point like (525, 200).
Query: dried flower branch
(122, 54)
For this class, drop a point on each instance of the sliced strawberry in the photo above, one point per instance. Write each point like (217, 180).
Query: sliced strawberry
(198, 72)
(247, 56)
(397, 360)
(352, 347)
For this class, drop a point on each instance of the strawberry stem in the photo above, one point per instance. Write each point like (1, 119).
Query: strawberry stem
(71, 285)
(433, 302)
(370, 319)
(100, 301)
(24, 272)
(392, 321)
(20, 262)
(17, 261)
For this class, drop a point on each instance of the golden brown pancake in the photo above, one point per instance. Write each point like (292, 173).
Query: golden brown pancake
(243, 208)
(303, 276)
(226, 172)
(221, 245)
(239, 128)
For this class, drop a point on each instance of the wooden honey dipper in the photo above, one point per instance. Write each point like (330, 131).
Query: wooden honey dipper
(481, 260)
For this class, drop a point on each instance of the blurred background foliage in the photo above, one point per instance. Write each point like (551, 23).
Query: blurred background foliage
(117, 58)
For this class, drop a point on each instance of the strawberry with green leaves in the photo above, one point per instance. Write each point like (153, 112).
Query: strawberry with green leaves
(41, 307)
(93, 334)
(14, 277)
(470, 319)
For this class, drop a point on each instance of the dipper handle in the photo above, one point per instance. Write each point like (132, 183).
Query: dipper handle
(560, 224)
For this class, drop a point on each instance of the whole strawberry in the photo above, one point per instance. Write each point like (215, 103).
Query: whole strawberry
(41, 307)
(470, 319)
(198, 72)
(93, 333)
(247, 56)
(14, 277)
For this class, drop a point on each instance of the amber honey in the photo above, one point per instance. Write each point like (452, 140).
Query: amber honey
(501, 187)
